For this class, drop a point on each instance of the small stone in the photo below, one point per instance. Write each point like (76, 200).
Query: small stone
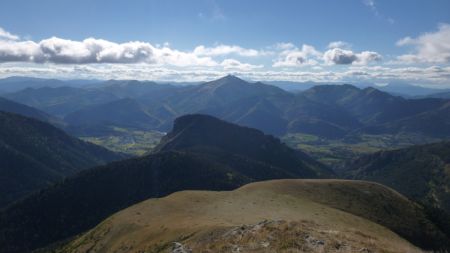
(180, 248)
(265, 244)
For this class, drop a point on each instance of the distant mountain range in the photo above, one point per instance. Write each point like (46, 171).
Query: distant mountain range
(34, 155)
(60, 101)
(201, 152)
(394, 88)
(17, 83)
(408, 90)
(124, 112)
(330, 111)
(24, 110)
(444, 95)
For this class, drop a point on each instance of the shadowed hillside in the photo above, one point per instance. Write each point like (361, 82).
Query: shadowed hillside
(420, 172)
(35, 154)
(27, 111)
(60, 101)
(208, 135)
(201, 153)
(121, 113)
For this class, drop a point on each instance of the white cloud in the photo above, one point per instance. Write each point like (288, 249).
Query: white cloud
(98, 51)
(343, 57)
(98, 58)
(431, 76)
(12, 51)
(339, 56)
(339, 44)
(284, 46)
(91, 50)
(230, 64)
(293, 57)
(168, 56)
(225, 50)
(433, 47)
(404, 41)
(366, 57)
(5, 35)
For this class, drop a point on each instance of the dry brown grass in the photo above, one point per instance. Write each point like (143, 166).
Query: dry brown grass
(300, 220)
(283, 236)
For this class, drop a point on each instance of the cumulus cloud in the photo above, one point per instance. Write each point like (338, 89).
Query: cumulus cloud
(339, 56)
(309, 56)
(366, 57)
(5, 35)
(98, 58)
(91, 50)
(169, 56)
(225, 50)
(63, 51)
(433, 47)
(12, 51)
(99, 51)
(292, 56)
(342, 57)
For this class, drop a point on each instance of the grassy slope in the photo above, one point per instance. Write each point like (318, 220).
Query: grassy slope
(335, 212)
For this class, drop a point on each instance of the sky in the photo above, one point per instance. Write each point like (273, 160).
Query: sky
(355, 41)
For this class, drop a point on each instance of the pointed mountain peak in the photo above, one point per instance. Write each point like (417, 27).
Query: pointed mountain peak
(229, 79)
(227, 83)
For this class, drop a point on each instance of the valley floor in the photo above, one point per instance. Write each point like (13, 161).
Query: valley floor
(132, 142)
(335, 151)
(328, 151)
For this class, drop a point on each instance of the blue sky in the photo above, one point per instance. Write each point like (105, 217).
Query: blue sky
(328, 41)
